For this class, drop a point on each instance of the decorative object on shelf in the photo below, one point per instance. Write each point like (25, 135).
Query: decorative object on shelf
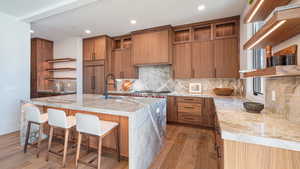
(268, 56)
(223, 91)
(288, 55)
(250, 2)
(253, 107)
(195, 88)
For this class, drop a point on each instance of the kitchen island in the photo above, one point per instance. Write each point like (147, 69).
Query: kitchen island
(142, 121)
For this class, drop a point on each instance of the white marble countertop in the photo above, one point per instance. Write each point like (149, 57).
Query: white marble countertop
(119, 105)
(264, 129)
(238, 125)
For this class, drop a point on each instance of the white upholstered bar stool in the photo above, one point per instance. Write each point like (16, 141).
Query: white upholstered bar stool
(33, 115)
(59, 119)
(92, 125)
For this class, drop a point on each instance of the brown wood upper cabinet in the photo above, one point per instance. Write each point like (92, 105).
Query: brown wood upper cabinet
(122, 64)
(182, 60)
(227, 58)
(152, 47)
(203, 59)
(207, 50)
(96, 48)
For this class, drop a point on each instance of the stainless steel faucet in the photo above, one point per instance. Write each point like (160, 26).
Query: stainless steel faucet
(106, 84)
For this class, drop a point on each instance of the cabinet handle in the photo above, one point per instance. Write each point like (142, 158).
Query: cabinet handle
(215, 71)
(189, 107)
(93, 82)
(193, 72)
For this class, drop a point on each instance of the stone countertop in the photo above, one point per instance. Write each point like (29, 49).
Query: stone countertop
(238, 125)
(119, 105)
(263, 129)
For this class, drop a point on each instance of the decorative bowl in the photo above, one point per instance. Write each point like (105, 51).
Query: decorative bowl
(253, 107)
(223, 91)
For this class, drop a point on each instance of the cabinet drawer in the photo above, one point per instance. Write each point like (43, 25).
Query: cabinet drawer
(190, 99)
(189, 107)
(189, 118)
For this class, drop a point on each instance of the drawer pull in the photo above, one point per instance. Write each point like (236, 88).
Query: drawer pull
(188, 99)
(189, 107)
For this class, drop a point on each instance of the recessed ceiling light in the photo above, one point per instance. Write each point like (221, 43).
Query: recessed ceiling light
(133, 22)
(201, 7)
(87, 31)
(31, 31)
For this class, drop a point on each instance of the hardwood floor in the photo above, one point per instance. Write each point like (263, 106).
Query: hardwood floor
(185, 148)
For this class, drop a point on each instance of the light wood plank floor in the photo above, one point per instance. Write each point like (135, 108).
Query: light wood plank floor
(185, 148)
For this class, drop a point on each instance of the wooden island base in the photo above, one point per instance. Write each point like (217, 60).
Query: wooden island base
(109, 140)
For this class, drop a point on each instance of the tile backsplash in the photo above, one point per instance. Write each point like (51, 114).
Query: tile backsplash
(160, 78)
(287, 97)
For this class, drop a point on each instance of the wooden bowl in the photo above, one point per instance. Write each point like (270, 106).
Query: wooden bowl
(253, 107)
(223, 91)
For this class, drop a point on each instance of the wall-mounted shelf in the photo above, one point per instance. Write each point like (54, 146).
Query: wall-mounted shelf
(277, 71)
(61, 78)
(282, 25)
(61, 60)
(61, 69)
(259, 10)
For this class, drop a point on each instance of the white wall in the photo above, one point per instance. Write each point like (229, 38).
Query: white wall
(14, 70)
(70, 48)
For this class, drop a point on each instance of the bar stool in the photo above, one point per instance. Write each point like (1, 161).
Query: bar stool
(58, 119)
(33, 115)
(93, 126)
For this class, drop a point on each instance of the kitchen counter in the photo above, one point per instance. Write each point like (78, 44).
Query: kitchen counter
(263, 129)
(238, 125)
(146, 120)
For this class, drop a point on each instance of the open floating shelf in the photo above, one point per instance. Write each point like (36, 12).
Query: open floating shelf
(61, 78)
(259, 10)
(277, 71)
(61, 60)
(282, 25)
(61, 69)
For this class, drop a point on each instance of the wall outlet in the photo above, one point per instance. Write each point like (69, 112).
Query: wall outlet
(273, 95)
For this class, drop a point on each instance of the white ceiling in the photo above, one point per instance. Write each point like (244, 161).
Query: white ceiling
(112, 17)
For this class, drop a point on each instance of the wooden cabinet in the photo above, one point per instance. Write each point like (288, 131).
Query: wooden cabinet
(191, 110)
(41, 51)
(214, 51)
(122, 64)
(227, 58)
(152, 47)
(171, 109)
(93, 78)
(182, 61)
(203, 59)
(96, 48)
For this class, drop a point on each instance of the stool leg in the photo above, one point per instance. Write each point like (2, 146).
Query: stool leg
(65, 147)
(27, 136)
(39, 141)
(99, 152)
(78, 148)
(117, 134)
(50, 142)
